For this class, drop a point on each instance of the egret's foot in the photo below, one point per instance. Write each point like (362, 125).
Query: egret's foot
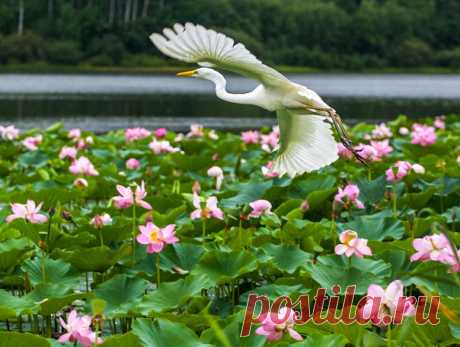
(336, 121)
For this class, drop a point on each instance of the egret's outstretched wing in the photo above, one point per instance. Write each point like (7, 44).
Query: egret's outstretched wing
(196, 44)
(306, 143)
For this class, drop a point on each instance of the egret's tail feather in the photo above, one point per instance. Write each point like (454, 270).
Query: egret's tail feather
(307, 144)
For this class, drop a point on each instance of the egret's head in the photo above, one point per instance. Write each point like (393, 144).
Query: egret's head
(204, 73)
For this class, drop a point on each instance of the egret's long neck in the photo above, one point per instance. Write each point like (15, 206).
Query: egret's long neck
(221, 92)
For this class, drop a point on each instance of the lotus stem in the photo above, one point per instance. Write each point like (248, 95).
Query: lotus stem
(133, 231)
(158, 269)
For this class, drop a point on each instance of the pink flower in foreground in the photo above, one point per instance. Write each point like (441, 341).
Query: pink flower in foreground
(259, 208)
(209, 211)
(160, 133)
(398, 171)
(100, 220)
(434, 247)
(381, 131)
(83, 166)
(218, 173)
(127, 197)
(389, 299)
(439, 123)
(270, 142)
(382, 148)
(74, 134)
(343, 151)
(155, 238)
(352, 244)
(79, 330)
(28, 211)
(268, 172)
(134, 134)
(348, 195)
(9, 132)
(275, 325)
(133, 164)
(80, 183)
(68, 152)
(32, 142)
(196, 130)
(250, 137)
(423, 135)
(164, 146)
(368, 152)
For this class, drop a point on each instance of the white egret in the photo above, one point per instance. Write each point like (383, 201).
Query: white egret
(306, 139)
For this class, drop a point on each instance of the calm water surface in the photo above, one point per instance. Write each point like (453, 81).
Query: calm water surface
(104, 102)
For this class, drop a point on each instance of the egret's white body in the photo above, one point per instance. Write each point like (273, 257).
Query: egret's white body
(306, 139)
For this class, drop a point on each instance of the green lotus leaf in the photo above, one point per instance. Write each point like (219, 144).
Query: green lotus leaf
(247, 192)
(221, 267)
(46, 270)
(171, 295)
(121, 293)
(180, 256)
(377, 226)
(163, 333)
(13, 252)
(286, 257)
(14, 339)
(125, 340)
(35, 159)
(331, 270)
(12, 306)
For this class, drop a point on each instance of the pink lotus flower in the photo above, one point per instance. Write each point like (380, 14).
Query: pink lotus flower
(164, 146)
(133, 164)
(84, 143)
(28, 211)
(80, 183)
(398, 171)
(79, 330)
(423, 135)
(344, 152)
(270, 142)
(349, 195)
(351, 244)
(382, 148)
(196, 130)
(74, 134)
(9, 132)
(155, 238)
(160, 133)
(100, 220)
(68, 152)
(127, 197)
(275, 331)
(389, 302)
(259, 208)
(439, 123)
(434, 247)
(32, 142)
(209, 211)
(250, 137)
(368, 152)
(134, 134)
(268, 172)
(218, 173)
(403, 131)
(83, 166)
(381, 131)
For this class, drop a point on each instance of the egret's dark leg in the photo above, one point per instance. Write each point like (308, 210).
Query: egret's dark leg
(343, 135)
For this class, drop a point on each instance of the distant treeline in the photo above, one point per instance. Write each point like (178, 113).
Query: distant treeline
(325, 34)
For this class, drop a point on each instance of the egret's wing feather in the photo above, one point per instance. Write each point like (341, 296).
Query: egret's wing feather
(306, 143)
(196, 44)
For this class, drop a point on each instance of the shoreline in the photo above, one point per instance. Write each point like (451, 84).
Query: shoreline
(43, 68)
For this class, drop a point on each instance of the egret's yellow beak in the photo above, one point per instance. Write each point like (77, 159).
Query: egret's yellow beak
(186, 73)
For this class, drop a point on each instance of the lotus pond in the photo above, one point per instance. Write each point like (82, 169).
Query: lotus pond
(152, 238)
